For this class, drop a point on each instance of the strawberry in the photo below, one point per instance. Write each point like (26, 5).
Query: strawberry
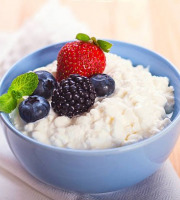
(84, 57)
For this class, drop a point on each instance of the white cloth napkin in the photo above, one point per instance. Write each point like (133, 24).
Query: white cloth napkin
(55, 23)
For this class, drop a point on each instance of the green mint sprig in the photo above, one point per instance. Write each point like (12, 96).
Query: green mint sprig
(7, 103)
(104, 45)
(23, 85)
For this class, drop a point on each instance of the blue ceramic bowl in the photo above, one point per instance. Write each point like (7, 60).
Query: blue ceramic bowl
(94, 171)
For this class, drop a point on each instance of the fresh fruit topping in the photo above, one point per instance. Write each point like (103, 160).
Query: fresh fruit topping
(74, 96)
(104, 85)
(46, 84)
(33, 108)
(85, 57)
(23, 85)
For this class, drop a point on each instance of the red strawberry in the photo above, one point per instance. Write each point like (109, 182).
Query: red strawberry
(84, 57)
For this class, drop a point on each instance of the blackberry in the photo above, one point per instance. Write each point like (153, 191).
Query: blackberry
(73, 96)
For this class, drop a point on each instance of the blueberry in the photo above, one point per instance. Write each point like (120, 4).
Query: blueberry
(104, 85)
(46, 84)
(33, 108)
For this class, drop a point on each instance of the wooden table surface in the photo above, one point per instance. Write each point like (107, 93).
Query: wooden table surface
(154, 24)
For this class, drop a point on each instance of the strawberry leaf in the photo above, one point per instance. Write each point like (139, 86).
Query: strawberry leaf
(104, 45)
(83, 37)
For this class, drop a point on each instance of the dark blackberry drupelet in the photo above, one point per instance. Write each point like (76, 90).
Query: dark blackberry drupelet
(73, 96)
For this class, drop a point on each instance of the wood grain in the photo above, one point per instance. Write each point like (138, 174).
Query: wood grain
(152, 24)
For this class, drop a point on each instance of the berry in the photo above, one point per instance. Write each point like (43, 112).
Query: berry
(46, 84)
(73, 96)
(84, 57)
(33, 108)
(104, 85)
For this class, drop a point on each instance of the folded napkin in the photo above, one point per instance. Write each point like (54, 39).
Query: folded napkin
(15, 182)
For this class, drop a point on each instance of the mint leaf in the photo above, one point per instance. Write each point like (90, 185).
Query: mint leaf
(16, 94)
(24, 85)
(83, 37)
(104, 45)
(7, 103)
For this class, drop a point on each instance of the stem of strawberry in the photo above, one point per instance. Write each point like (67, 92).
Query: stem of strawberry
(104, 45)
(94, 41)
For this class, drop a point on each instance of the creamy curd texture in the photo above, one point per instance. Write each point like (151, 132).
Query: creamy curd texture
(136, 110)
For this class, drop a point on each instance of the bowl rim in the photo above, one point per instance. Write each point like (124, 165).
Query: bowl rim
(128, 147)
